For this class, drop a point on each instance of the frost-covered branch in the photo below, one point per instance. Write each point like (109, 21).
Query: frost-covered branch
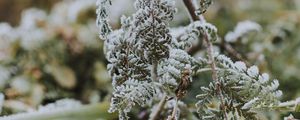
(236, 80)
(192, 12)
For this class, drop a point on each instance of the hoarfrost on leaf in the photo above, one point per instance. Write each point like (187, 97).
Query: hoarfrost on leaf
(241, 29)
(130, 93)
(241, 66)
(253, 71)
(249, 104)
(102, 18)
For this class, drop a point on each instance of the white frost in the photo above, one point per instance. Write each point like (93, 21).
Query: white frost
(241, 29)
(253, 71)
(240, 66)
(249, 104)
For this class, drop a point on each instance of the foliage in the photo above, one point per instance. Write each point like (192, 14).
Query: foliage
(144, 43)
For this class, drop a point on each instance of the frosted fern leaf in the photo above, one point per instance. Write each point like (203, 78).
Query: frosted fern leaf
(236, 81)
(130, 93)
(204, 4)
(102, 18)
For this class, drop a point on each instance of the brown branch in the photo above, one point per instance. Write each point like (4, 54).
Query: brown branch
(235, 54)
(174, 110)
(212, 62)
(191, 9)
(159, 108)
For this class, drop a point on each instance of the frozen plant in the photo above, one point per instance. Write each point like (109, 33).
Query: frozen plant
(151, 67)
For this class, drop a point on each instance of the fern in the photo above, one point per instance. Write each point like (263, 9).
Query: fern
(148, 59)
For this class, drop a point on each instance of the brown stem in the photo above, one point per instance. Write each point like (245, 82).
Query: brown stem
(159, 108)
(191, 8)
(211, 58)
(154, 71)
(174, 110)
(232, 52)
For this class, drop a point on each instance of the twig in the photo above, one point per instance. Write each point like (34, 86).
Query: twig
(232, 52)
(159, 108)
(191, 8)
(174, 110)
(154, 71)
(205, 70)
(211, 58)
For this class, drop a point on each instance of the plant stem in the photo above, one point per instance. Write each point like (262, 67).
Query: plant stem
(210, 52)
(174, 110)
(232, 52)
(159, 108)
(205, 70)
(191, 9)
(86, 112)
(209, 47)
(154, 71)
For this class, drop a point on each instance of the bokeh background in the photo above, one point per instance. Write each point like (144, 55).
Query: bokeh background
(50, 50)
